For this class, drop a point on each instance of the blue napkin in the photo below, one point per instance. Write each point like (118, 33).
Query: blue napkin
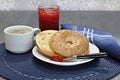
(103, 40)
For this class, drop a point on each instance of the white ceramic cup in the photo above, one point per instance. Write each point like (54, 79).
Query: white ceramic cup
(19, 38)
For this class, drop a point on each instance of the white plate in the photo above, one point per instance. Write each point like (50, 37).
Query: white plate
(40, 56)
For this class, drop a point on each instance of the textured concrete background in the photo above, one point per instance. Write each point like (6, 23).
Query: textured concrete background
(100, 20)
(73, 5)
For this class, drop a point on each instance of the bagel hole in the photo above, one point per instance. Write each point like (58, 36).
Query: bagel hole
(69, 42)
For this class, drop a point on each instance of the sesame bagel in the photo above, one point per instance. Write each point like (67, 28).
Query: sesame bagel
(68, 43)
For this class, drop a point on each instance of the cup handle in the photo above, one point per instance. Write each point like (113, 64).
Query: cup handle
(36, 31)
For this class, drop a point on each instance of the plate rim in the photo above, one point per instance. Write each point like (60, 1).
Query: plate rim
(35, 53)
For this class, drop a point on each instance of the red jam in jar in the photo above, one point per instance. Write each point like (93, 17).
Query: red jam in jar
(48, 17)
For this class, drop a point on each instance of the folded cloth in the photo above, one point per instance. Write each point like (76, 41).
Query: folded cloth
(103, 40)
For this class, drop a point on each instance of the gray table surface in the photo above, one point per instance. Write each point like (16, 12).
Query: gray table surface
(100, 20)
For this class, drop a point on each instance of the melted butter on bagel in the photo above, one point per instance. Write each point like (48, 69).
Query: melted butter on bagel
(42, 42)
(68, 43)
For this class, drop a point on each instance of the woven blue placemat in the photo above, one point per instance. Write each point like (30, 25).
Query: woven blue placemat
(27, 67)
